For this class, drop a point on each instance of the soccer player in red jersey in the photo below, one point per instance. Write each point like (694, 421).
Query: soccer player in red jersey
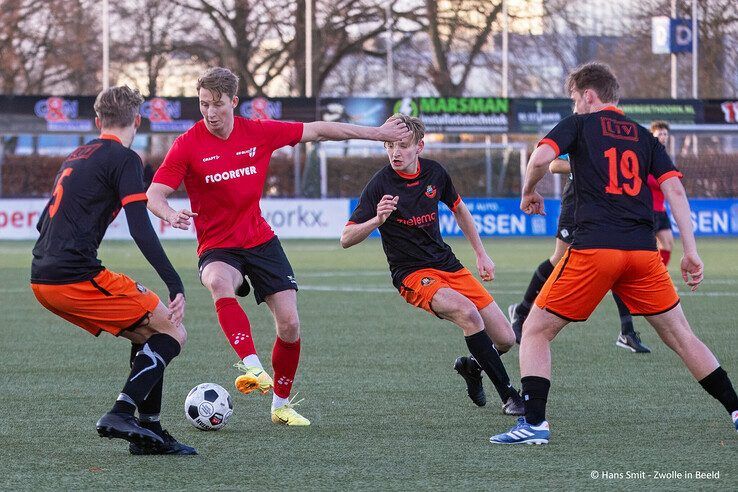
(401, 200)
(223, 160)
(94, 183)
(614, 247)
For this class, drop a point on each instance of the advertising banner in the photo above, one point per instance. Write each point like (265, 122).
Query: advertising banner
(538, 115)
(458, 114)
(368, 111)
(503, 217)
(289, 219)
(675, 111)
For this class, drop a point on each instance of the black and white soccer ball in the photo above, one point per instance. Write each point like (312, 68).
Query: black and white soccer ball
(208, 406)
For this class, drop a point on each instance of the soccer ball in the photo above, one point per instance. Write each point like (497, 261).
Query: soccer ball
(208, 406)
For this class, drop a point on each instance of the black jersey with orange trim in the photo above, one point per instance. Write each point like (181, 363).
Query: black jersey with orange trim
(611, 157)
(411, 236)
(92, 185)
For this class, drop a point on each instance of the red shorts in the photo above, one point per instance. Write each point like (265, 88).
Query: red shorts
(583, 276)
(110, 302)
(419, 287)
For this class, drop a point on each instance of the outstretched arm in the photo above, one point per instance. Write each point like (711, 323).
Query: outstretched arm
(392, 130)
(485, 266)
(531, 201)
(355, 233)
(157, 195)
(691, 264)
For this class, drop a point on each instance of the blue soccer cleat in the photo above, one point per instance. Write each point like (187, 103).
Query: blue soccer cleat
(524, 433)
(734, 415)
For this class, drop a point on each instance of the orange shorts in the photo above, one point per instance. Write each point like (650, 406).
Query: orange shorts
(583, 276)
(419, 287)
(109, 302)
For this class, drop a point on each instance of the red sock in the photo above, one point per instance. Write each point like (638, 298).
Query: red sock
(235, 325)
(285, 358)
(665, 256)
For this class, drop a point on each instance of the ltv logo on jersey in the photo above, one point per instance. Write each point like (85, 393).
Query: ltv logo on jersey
(622, 130)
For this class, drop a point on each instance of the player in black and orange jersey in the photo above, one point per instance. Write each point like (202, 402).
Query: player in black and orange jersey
(614, 247)
(68, 279)
(401, 200)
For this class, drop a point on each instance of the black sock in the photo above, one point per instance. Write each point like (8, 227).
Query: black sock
(535, 395)
(540, 276)
(148, 368)
(626, 320)
(483, 350)
(150, 408)
(718, 384)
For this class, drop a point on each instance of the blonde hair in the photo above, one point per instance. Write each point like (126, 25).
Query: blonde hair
(413, 124)
(219, 80)
(117, 107)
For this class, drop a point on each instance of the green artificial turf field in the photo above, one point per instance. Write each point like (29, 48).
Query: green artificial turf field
(388, 411)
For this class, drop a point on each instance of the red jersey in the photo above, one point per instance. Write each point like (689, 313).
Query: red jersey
(657, 194)
(225, 178)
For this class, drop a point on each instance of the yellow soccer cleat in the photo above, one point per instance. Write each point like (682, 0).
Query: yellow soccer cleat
(255, 378)
(287, 415)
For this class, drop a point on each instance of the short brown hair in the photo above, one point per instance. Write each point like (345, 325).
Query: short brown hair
(219, 80)
(597, 77)
(117, 107)
(659, 125)
(413, 124)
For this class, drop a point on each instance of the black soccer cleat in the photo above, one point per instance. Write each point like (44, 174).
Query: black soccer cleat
(514, 405)
(632, 342)
(125, 426)
(170, 447)
(516, 320)
(468, 368)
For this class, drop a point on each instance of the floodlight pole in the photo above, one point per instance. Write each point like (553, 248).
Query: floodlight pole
(505, 49)
(106, 44)
(390, 50)
(695, 53)
(309, 48)
(673, 58)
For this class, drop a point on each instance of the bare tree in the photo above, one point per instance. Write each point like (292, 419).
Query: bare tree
(458, 31)
(251, 37)
(148, 32)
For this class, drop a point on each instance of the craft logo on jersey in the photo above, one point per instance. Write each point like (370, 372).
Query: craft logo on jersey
(61, 114)
(164, 115)
(260, 108)
(430, 191)
(211, 158)
(622, 130)
(730, 111)
(251, 152)
(425, 281)
(140, 288)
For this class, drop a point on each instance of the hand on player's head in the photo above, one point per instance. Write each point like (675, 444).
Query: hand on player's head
(692, 270)
(393, 130)
(386, 206)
